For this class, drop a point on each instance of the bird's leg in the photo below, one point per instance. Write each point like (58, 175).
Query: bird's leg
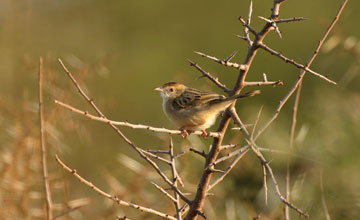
(184, 132)
(204, 133)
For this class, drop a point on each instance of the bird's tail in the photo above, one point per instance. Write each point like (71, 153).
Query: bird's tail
(243, 95)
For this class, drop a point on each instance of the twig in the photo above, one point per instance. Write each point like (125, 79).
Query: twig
(248, 21)
(265, 184)
(290, 20)
(114, 198)
(157, 157)
(228, 146)
(229, 155)
(291, 141)
(273, 24)
(209, 76)
(49, 205)
(130, 125)
(175, 178)
(67, 211)
(256, 121)
(223, 62)
(164, 191)
(190, 149)
(246, 25)
(229, 168)
(300, 66)
(158, 151)
(293, 88)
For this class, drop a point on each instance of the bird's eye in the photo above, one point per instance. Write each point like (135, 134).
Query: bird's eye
(171, 90)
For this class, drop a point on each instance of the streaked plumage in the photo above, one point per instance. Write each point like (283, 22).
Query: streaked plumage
(191, 109)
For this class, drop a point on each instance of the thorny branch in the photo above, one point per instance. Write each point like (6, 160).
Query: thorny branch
(194, 207)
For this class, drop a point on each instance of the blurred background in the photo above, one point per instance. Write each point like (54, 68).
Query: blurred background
(120, 51)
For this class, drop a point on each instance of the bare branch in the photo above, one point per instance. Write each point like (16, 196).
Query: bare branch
(175, 178)
(265, 184)
(67, 212)
(157, 157)
(49, 205)
(248, 21)
(114, 198)
(209, 76)
(246, 25)
(130, 125)
(290, 20)
(300, 66)
(273, 24)
(164, 192)
(223, 62)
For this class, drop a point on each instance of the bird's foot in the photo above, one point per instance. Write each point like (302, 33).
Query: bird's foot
(204, 133)
(184, 132)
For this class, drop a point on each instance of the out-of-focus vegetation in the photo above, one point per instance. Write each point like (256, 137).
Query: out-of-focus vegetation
(119, 51)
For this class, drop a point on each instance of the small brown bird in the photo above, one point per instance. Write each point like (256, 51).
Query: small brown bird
(191, 109)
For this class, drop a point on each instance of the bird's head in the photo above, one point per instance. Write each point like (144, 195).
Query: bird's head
(171, 90)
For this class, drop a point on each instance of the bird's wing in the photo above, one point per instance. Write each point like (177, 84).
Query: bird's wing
(192, 97)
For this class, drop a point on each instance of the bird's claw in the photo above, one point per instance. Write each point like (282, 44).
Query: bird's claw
(204, 133)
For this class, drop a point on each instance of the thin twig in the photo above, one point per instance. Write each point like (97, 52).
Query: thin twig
(67, 211)
(230, 155)
(286, 20)
(209, 76)
(190, 149)
(49, 205)
(157, 157)
(130, 125)
(262, 83)
(246, 25)
(265, 184)
(223, 62)
(175, 178)
(273, 24)
(229, 168)
(300, 66)
(114, 198)
(248, 21)
(256, 121)
(291, 141)
(164, 191)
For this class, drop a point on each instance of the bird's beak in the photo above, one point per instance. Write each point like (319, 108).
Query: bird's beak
(158, 89)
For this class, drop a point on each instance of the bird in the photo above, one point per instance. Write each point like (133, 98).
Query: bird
(192, 109)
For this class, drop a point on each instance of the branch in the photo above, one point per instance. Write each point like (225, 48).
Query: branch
(300, 66)
(223, 62)
(114, 198)
(209, 76)
(130, 125)
(290, 20)
(164, 192)
(175, 178)
(49, 205)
